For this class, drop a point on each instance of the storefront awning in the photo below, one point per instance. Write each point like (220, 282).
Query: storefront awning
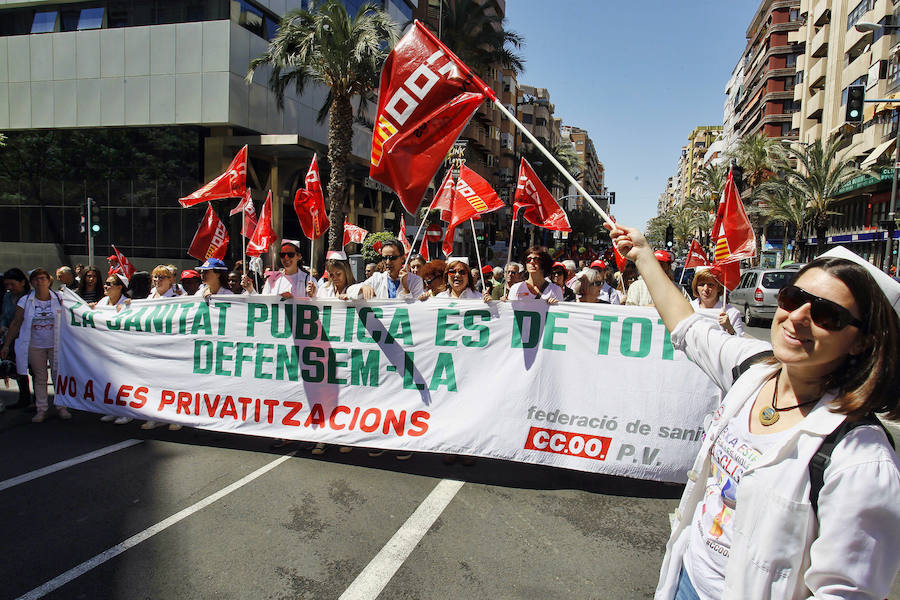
(877, 153)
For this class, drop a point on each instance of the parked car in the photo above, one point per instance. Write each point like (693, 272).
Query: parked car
(756, 295)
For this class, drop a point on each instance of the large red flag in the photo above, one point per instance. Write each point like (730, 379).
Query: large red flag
(696, 257)
(541, 208)
(211, 239)
(469, 198)
(728, 274)
(353, 233)
(230, 184)
(732, 234)
(403, 239)
(264, 235)
(427, 96)
(248, 215)
(309, 204)
(128, 269)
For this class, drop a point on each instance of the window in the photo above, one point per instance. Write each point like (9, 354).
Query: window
(798, 77)
(857, 13)
(90, 18)
(540, 122)
(44, 22)
(794, 14)
(790, 60)
(527, 118)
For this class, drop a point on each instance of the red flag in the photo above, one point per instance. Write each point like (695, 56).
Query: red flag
(696, 257)
(403, 240)
(621, 261)
(541, 208)
(248, 220)
(230, 184)
(211, 239)
(427, 96)
(264, 235)
(124, 264)
(309, 204)
(471, 197)
(732, 233)
(423, 250)
(728, 274)
(353, 233)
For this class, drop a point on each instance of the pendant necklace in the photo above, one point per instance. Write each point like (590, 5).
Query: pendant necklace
(769, 414)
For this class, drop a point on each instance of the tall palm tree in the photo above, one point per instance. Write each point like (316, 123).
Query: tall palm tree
(324, 45)
(782, 205)
(478, 37)
(711, 180)
(815, 180)
(759, 157)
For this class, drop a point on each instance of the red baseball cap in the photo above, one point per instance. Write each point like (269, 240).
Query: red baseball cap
(189, 274)
(663, 256)
(598, 264)
(487, 269)
(112, 257)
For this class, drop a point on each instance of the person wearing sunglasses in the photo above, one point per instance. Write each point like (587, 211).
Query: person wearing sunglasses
(559, 275)
(593, 288)
(214, 275)
(291, 281)
(434, 278)
(708, 295)
(114, 289)
(535, 285)
(749, 524)
(459, 281)
(396, 281)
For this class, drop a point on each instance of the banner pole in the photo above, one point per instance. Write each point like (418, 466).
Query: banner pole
(553, 161)
(512, 227)
(477, 253)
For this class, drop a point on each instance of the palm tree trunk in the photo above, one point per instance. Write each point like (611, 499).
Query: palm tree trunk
(340, 138)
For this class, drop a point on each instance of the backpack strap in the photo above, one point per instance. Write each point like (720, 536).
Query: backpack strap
(747, 363)
(822, 458)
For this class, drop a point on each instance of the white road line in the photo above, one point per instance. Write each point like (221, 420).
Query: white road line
(371, 581)
(64, 578)
(20, 479)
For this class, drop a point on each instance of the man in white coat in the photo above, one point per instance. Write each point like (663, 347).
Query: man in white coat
(395, 281)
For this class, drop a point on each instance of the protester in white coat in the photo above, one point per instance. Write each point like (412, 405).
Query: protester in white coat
(746, 526)
(395, 281)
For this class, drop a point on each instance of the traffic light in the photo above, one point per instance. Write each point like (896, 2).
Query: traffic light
(94, 211)
(612, 197)
(670, 236)
(856, 96)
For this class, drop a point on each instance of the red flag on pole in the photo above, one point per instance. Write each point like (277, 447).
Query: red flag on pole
(427, 96)
(541, 208)
(127, 268)
(403, 240)
(211, 239)
(248, 215)
(733, 236)
(696, 257)
(728, 274)
(230, 184)
(353, 233)
(309, 204)
(471, 197)
(423, 250)
(264, 234)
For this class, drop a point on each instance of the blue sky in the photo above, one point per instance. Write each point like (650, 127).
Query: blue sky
(638, 76)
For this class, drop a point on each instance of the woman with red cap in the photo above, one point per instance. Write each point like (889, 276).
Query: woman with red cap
(558, 275)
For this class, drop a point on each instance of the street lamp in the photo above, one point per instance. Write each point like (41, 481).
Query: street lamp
(869, 27)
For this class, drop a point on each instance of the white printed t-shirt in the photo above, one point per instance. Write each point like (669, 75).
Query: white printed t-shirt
(43, 323)
(281, 283)
(733, 452)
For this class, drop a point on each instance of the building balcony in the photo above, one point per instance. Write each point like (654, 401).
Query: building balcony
(865, 141)
(855, 70)
(804, 6)
(821, 11)
(801, 63)
(815, 75)
(797, 119)
(813, 106)
(881, 9)
(797, 37)
(881, 50)
(819, 45)
(813, 133)
(853, 37)
(798, 92)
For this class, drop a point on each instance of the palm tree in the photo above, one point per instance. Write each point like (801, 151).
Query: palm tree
(478, 38)
(790, 209)
(758, 156)
(815, 180)
(324, 45)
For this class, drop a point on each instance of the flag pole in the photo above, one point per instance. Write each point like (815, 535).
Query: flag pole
(477, 253)
(553, 161)
(412, 247)
(512, 227)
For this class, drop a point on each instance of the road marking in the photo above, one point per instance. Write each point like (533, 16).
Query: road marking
(20, 479)
(77, 571)
(371, 581)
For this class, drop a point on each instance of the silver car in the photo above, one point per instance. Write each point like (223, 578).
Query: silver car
(756, 295)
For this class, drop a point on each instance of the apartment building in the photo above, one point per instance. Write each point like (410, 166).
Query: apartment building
(152, 67)
(592, 177)
(700, 140)
(837, 56)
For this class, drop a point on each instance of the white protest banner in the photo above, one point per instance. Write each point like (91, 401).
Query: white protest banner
(587, 387)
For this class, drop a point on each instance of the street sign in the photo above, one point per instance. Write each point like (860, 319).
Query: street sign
(433, 233)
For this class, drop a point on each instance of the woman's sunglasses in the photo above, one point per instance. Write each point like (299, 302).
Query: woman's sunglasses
(825, 313)
(287, 254)
(456, 272)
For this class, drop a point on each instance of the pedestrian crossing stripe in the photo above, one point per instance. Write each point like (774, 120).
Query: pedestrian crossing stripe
(384, 129)
(722, 249)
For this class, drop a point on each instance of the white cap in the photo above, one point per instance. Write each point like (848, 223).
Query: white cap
(336, 255)
(888, 284)
(462, 259)
(294, 243)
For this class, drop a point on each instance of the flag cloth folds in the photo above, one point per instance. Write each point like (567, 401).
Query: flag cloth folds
(423, 250)
(469, 198)
(309, 204)
(696, 257)
(732, 234)
(426, 97)
(230, 184)
(728, 274)
(540, 207)
(128, 269)
(248, 219)
(264, 235)
(353, 233)
(403, 240)
(211, 239)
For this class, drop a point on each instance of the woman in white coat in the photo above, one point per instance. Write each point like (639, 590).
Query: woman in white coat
(708, 295)
(747, 526)
(34, 331)
(459, 282)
